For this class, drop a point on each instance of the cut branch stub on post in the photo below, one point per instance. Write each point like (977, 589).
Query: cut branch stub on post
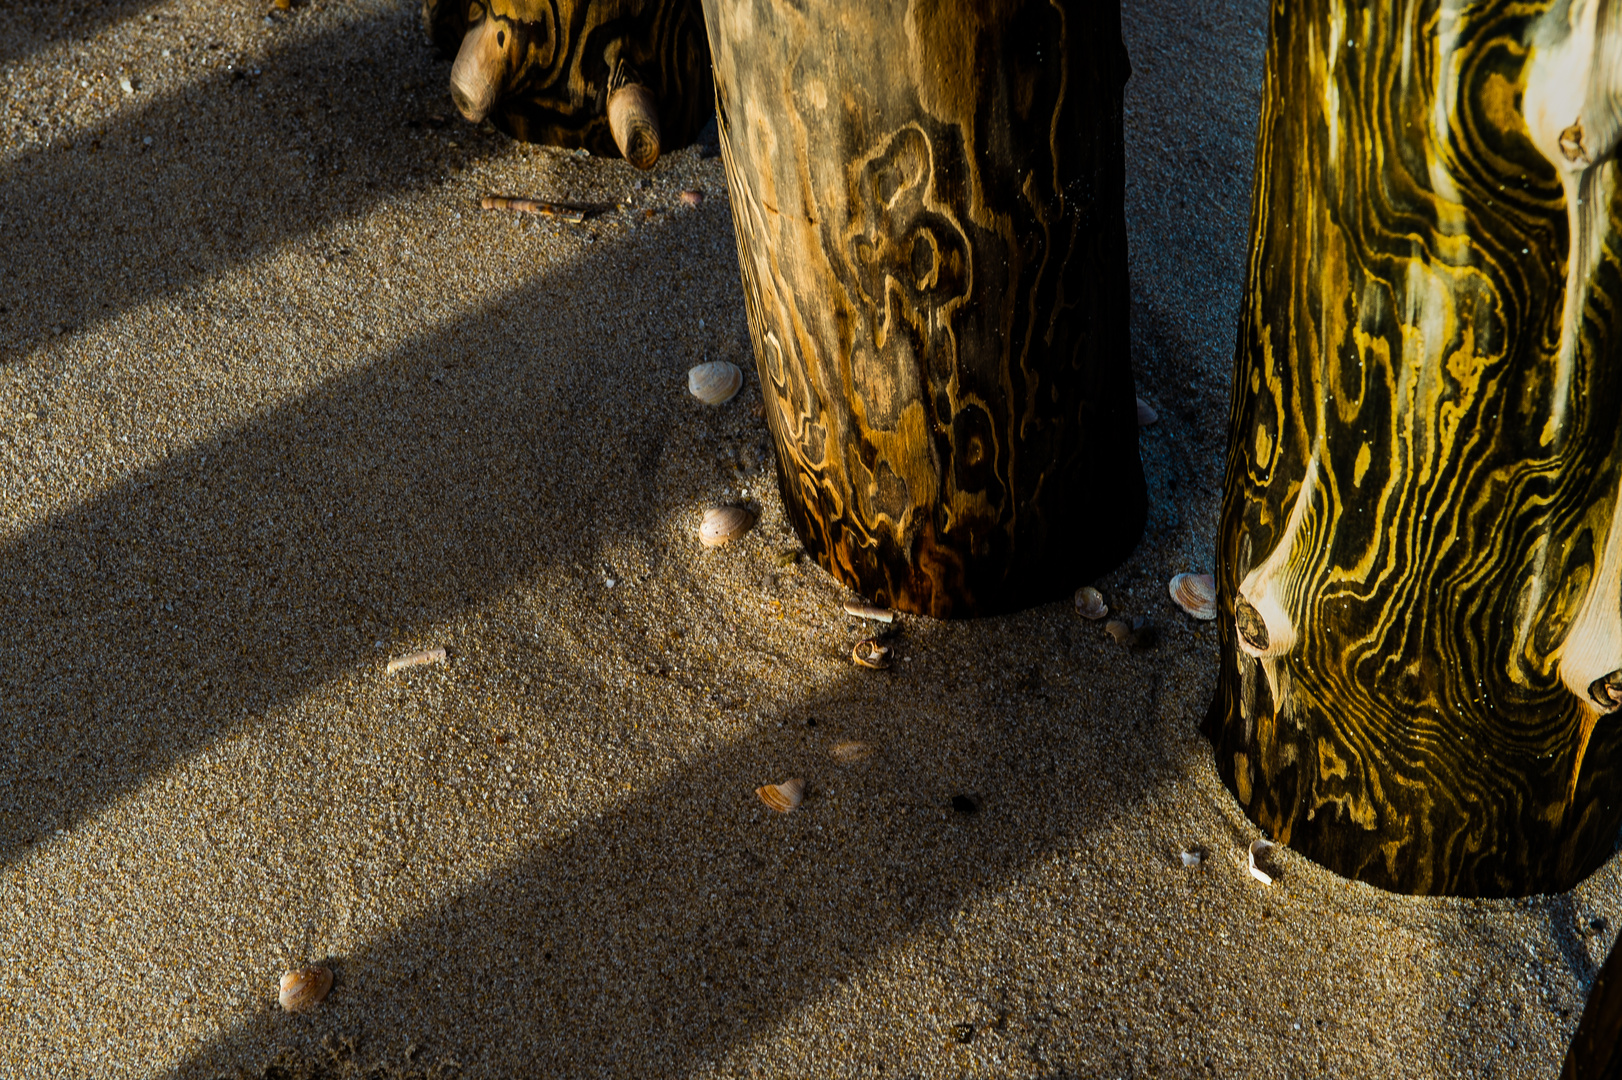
(552, 72)
(929, 208)
(1420, 549)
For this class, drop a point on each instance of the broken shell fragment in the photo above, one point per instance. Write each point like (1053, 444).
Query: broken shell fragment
(1260, 847)
(1195, 594)
(1120, 631)
(716, 382)
(849, 753)
(1192, 859)
(422, 656)
(1090, 603)
(871, 653)
(724, 523)
(783, 797)
(692, 197)
(1146, 413)
(302, 989)
(868, 611)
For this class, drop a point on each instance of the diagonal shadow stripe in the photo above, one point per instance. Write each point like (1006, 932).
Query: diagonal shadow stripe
(690, 920)
(30, 27)
(206, 589)
(330, 127)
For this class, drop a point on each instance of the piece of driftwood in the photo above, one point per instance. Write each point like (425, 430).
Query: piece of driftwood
(630, 77)
(1596, 1048)
(1420, 549)
(929, 209)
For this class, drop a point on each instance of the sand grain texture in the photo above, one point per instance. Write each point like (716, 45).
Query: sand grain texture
(278, 402)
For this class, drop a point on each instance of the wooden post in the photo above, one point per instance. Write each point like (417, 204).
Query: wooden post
(1596, 1047)
(929, 207)
(1420, 554)
(628, 77)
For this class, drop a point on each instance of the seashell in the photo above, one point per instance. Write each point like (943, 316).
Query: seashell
(1140, 633)
(871, 653)
(303, 988)
(1146, 413)
(716, 382)
(423, 656)
(1195, 594)
(724, 523)
(692, 197)
(1260, 847)
(849, 753)
(783, 797)
(1192, 859)
(1090, 603)
(868, 611)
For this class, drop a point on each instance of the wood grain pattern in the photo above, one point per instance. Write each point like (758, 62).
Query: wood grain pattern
(560, 58)
(1420, 559)
(928, 201)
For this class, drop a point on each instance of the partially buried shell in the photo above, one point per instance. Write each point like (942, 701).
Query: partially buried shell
(716, 382)
(783, 797)
(1146, 413)
(871, 653)
(303, 988)
(724, 523)
(1195, 594)
(1090, 603)
(849, 753)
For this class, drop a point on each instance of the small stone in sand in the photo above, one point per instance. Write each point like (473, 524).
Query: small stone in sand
(693, 198)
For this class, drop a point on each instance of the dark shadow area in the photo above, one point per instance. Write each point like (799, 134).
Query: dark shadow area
(691, 919)
(198, 593)
(30, 26)
(238, 161)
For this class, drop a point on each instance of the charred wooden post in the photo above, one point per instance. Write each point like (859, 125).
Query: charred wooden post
(1420, 549)
(1596, 1049)
(929, 208)
(629, 77)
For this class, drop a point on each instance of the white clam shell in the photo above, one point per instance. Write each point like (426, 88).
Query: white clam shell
(1260, 847)
(783, 797)
(303, 988)
(724, 523)
(1090, 603)
(1195, 594)
(716, 382)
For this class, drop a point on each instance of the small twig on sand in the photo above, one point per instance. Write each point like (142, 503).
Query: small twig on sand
(561, 211)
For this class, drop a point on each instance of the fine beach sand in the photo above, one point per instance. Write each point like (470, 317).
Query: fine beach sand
(278, 402)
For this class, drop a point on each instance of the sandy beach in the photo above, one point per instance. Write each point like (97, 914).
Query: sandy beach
(279, 402)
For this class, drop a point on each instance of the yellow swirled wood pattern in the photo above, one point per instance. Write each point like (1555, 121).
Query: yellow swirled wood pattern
(928, 200)
(1419, 556)
(560, 56)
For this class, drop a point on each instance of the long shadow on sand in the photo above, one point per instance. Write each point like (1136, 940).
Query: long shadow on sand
(31, 26)
(237, 163)
(204, 590)
(690, 920)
